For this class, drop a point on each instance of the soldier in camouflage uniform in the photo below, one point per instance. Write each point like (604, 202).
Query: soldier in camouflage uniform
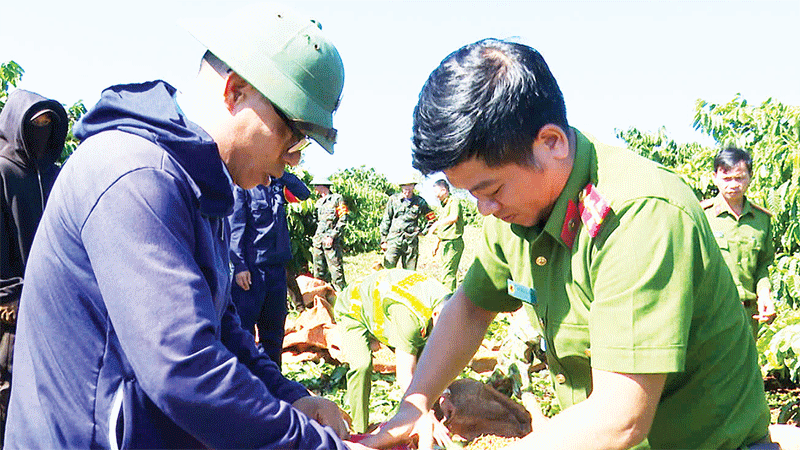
(400, 227)
(326, 247)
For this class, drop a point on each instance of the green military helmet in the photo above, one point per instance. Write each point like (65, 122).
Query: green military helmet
(321, 181)
(410, 177)
(284, 56)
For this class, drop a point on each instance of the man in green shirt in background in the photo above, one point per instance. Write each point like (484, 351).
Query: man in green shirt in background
(744, 233)
(647, 344)
(450, 231)
(400, 227)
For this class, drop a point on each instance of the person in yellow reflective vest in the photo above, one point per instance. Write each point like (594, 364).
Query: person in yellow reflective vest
(396, 307)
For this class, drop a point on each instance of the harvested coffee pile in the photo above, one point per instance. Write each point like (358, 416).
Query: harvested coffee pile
(489, 442)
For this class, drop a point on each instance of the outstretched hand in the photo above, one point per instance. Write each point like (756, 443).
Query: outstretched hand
(410, 421)
(325, 412)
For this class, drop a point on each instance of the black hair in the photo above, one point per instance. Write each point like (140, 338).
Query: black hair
(731, 156)
(488, 100)
(443, 184)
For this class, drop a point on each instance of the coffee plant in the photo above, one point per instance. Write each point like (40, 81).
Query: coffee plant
(770, 131)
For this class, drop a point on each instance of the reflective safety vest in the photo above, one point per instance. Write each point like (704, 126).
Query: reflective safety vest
(368, 300)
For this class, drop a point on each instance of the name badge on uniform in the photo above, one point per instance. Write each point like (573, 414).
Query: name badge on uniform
(522, 292)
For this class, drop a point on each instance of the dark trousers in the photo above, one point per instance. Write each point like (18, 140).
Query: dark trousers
(264, 305)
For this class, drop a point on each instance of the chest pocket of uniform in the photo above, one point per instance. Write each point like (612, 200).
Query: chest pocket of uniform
(748, 253)
(569, 363)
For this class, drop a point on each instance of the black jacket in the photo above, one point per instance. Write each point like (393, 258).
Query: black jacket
(25, 182)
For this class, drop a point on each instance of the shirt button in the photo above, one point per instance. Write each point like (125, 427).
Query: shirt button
(540, 261)
(561, 379)
(572, 224)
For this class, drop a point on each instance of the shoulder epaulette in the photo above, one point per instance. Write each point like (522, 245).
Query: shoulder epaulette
(707, 203)
(762, 209)
(593, 208)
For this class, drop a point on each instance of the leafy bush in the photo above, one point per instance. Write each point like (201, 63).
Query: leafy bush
(779, 346)
(10, 75)
(769, 131)
(366, 192)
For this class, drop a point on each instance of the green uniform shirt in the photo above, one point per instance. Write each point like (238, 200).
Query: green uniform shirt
(401, 219)
(746, 243)
(646, 294)
(395, 305)
(456, 229)
(331, 217)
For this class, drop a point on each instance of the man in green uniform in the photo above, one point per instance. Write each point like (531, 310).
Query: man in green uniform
(326, 249)
(646, 341)
(449, 228)
(400, 227)
(744, 233)
(395, 307)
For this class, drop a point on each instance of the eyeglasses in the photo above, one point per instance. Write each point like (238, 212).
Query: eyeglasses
(300, 138)
(301, 131)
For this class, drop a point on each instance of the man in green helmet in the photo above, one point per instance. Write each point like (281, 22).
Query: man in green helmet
(136, 238)
(326, 245)
(406, 216)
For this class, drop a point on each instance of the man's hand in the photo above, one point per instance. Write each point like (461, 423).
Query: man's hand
(436, 249)
(766, 310)
(398, 429)
(431, 430)
(327, 242)
(325, 412)
(243, 279)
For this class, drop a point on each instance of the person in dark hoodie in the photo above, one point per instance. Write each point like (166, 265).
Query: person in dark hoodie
(32, 134)
(260, 250)
(126, 335)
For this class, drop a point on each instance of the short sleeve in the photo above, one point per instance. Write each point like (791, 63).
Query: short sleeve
(765, 259)
(486, 282)
(644, 275)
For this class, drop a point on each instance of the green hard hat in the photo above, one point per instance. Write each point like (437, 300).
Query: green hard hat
(284, 56)
(410, 177)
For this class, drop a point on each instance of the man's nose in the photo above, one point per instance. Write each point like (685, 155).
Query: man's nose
(293, 158)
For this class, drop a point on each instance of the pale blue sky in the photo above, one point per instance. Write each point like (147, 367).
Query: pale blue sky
(619, 63)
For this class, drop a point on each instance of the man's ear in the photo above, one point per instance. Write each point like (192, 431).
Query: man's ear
(556, 140)
(234, 90)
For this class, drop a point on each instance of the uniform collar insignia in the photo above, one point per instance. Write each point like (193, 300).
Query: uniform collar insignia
(571, 222)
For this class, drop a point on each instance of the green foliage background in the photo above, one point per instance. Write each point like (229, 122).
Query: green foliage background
(770, 131)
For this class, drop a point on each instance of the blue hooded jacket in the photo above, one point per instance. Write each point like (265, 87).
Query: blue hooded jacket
(126, 335)
(259, 230)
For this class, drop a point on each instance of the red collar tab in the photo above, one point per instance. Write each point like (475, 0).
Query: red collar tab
(571, 223)
(593, 208)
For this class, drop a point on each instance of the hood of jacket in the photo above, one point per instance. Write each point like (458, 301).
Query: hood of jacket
(15, 130)
(149, 110)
